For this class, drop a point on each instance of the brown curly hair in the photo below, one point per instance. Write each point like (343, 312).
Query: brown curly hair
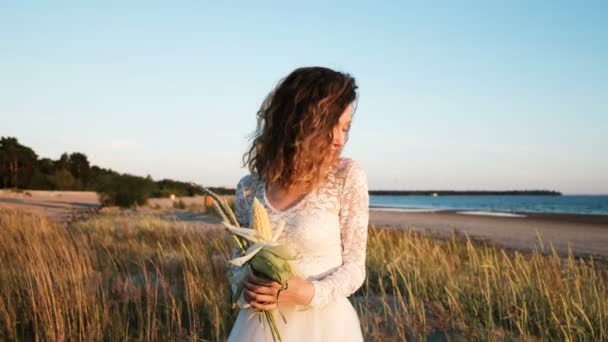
(295, 122)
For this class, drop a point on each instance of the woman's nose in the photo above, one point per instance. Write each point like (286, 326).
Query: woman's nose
(339, 139)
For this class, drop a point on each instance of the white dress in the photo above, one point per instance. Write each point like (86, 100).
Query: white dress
(328, 227)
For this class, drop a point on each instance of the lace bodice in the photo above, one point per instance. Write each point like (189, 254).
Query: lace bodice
(328, 227)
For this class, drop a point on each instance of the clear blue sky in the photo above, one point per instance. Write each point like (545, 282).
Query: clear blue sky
(452, 96)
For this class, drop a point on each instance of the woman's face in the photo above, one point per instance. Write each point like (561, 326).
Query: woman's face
(340, 131)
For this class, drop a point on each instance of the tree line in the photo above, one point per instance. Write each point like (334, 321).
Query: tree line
(21, 168)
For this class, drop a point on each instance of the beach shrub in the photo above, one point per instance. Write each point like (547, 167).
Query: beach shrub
(179, 204)
(124, 190)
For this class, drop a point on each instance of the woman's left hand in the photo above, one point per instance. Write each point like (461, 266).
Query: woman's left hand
(261, 293)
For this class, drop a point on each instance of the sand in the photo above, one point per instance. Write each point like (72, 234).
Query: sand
(55, 204)
(586, 234)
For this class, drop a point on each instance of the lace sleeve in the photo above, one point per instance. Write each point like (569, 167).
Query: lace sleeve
(241, 211)
(241, 201)
(354, 218)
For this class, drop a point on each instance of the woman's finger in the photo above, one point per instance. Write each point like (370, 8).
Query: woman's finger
(263, 306)
(246, 296)
(256, 297)
(259, 280)
(260, 289)
(256, 288)
(262, 281)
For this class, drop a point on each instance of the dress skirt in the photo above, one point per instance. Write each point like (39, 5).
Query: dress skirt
(337, 321)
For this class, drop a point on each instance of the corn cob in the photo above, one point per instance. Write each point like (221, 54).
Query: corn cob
(260, 220)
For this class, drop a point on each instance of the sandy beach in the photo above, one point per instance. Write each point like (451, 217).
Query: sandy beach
(586, 234)
(55, 204)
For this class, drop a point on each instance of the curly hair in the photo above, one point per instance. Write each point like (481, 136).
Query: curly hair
(295, 122)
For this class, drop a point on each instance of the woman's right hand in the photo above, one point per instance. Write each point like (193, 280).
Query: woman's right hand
(260, 293)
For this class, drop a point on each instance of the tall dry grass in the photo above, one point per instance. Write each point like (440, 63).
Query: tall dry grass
(480, 292)
(114, 277)
(140, 277)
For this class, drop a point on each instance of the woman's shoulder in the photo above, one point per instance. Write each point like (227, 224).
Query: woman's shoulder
(351, 180)
(348, 166)
(246, 185)
(245, 182)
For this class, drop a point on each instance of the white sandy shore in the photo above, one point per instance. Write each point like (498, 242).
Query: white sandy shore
(585, 234)
(489, 213)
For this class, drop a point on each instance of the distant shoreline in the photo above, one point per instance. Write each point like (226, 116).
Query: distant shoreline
(465, 192)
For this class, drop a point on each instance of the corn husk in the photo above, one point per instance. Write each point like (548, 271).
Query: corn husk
(262, 255)
(271, 266)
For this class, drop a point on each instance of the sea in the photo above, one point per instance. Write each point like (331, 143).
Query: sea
(498, 205)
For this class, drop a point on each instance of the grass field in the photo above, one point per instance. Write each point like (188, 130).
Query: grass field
(132, 276)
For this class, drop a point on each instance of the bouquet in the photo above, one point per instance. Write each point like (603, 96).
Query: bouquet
(260, 253)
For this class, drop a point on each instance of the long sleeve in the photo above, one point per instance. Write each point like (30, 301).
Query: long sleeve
(354, 218)
(241, 202)
(241, 212)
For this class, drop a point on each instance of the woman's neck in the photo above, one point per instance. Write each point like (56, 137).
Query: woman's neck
(282, 198)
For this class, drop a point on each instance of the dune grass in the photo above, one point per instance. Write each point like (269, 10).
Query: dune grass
(140, 277)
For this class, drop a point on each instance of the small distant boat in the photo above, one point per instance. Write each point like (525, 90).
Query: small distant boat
(434, 194)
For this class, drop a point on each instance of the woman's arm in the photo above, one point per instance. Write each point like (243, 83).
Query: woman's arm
(354, 219)
(242, 215)
(241, 201)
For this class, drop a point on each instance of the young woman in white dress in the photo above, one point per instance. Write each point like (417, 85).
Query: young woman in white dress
(297, 173)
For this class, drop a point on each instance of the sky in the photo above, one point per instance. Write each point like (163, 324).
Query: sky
(452, 95)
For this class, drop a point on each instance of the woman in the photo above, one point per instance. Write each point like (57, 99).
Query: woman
(298, 175)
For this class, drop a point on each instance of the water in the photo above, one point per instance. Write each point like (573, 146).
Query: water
(571, 204)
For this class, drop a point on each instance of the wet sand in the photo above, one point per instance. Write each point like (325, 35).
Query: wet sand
(586, 234)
